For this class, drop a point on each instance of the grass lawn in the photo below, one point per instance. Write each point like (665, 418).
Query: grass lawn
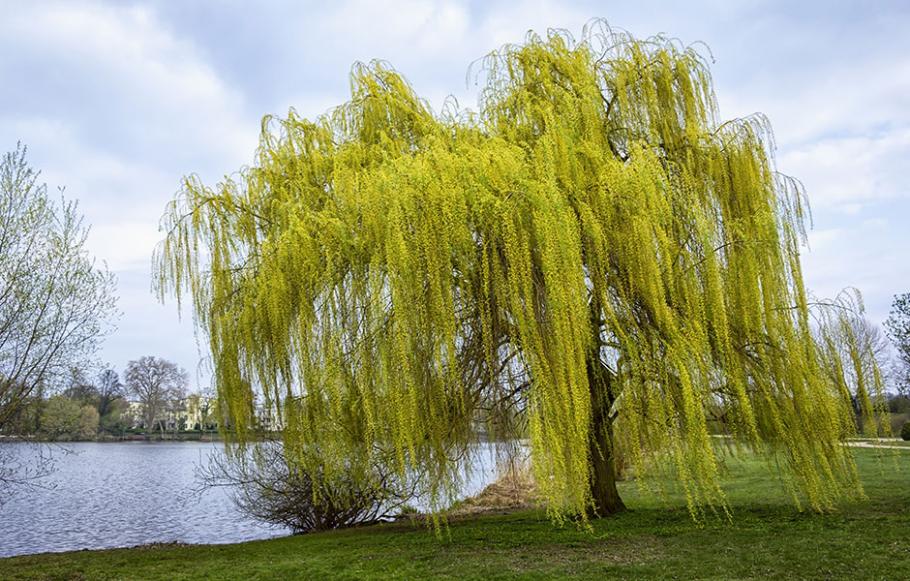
(655, 539)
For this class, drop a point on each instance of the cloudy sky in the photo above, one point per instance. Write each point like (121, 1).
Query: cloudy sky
(117, 100)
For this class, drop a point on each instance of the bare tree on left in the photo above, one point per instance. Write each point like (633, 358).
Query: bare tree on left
(56, 302)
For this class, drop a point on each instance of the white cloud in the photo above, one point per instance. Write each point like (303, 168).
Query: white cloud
(845, 173)
(119, 108)
(124, 245)
(508, 22)
(821, 239)
(425, 29)
(432, 43)
(126, 78)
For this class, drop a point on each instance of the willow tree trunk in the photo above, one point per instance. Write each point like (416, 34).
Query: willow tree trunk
(600, 442)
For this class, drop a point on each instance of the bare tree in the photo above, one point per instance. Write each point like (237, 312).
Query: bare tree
(55, 302)
(109, 390)
(897, 326)
(871, 342)
(199, 407)
(81, 389)
(175, 407)
(852, 350)
(156, 383)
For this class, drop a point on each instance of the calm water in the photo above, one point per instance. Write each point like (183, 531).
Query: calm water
(122, 494)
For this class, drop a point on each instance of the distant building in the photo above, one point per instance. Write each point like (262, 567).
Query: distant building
(192, 413)
(196, 412)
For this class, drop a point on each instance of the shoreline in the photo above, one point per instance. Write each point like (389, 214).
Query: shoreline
(114, 439)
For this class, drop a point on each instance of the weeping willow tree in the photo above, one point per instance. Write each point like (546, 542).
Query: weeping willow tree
(589, 260)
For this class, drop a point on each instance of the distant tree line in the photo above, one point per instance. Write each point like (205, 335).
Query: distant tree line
(151, 400)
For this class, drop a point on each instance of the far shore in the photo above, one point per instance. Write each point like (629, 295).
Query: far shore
(107, 439)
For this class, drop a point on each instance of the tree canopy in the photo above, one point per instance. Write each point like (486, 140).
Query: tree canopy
(590, 259)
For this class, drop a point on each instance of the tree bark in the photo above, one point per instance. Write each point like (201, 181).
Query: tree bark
(600, 443)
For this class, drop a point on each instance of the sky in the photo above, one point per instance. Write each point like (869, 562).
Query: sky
(118, 100)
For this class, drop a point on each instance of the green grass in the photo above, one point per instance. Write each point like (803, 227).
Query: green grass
(768, 538)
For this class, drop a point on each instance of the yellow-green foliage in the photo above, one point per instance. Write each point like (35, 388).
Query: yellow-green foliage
(390, 278)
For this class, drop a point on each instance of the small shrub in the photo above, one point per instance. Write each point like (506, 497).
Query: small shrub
(905, 432)
(268, 487)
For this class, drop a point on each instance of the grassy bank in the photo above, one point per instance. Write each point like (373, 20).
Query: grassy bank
(656, 539)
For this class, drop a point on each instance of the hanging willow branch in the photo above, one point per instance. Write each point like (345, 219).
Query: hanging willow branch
(389, 278)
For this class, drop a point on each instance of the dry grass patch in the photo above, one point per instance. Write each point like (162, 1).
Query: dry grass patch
(514, 490)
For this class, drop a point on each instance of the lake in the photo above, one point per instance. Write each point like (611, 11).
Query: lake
(121, 494)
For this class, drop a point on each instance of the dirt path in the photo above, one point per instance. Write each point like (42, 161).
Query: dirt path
(878, 445)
